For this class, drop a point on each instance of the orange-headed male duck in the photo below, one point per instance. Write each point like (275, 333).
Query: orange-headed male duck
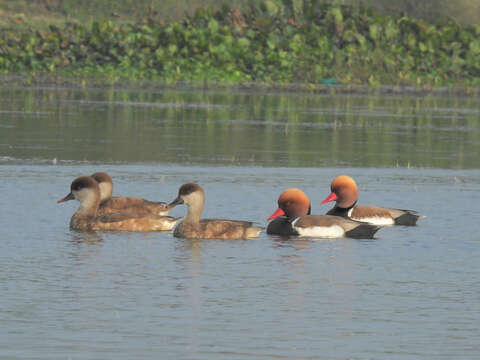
(292, 218)
(193, 196)
(345, 193)
(109, 204)
(86, 190)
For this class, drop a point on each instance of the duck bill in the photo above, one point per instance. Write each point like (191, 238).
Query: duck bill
(279, 212)
(177, 201)
(66, 198)
(331, 197)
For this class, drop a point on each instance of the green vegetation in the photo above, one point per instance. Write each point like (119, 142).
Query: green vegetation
(41, 13)
(307, 42)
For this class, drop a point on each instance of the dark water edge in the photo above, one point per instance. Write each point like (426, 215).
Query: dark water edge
(62, 81)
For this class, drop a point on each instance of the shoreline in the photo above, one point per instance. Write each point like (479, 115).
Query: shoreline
(9, 80)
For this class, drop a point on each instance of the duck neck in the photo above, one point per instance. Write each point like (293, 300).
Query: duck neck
(106, 190)
(88, 207)
(195, 211)
(347, 207)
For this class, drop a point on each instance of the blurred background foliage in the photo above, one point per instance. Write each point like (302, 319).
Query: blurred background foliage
(243, 41)
(39, 13)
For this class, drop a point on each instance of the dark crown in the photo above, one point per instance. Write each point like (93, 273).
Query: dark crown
(189, 188)
(101, 177)
(82, 182)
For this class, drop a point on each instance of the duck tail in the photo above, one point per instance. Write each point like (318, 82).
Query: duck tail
(363, 231)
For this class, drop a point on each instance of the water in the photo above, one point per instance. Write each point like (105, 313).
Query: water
(413, 292)
(235, 128)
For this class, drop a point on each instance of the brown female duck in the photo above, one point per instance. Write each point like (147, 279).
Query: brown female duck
(116, 204)
(193, 196)
(86, 190)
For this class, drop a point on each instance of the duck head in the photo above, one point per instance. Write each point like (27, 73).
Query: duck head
(292, 203)
(105, 184)
(344, 191)
(84, 189)
(193, 196)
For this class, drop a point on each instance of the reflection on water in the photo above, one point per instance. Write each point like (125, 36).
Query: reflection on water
(86, 237)
(268, 129)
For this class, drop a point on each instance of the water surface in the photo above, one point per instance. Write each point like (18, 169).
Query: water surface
(239, 128)
(413, 292)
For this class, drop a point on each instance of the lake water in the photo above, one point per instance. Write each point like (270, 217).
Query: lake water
(411, 293)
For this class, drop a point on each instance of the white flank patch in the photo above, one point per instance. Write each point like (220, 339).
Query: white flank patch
(333, 231)
(376, 220)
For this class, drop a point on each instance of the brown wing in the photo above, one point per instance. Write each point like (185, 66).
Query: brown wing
(352, 228)
(134, 222)
(217, 229)
(116, 217)
(360, 212)
(321, 220)
(132, 204)
(228, 222)
(400, 217)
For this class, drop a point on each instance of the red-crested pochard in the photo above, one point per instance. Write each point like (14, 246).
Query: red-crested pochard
(116, 204)
(345, 192)
(292, 218)
(193, 196)
(86, 190)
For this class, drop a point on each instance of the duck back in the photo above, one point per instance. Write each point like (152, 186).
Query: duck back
(123, 222)
(132, 204)
(217, 229)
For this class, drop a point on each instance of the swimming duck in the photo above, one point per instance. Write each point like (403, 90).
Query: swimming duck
(87, 191)
(293, 218)
(345, 193)
(193, 196)
(109, 204)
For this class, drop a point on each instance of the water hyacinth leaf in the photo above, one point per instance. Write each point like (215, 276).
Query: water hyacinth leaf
(172, 49)
(271, 8)
(213, 26)
(374, 31)
(391, 30)
(243, 43)
(274, 45)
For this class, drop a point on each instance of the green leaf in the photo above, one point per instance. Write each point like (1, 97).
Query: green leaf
(374, 31)
(243, 43)
(213, 25)
(172, 49)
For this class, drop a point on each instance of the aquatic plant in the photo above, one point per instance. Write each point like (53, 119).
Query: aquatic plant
(268, 41)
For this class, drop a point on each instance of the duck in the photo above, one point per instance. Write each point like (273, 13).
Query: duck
(86, 190)
(344, 192)
(116, 204)
(193, 227)
(293, 218)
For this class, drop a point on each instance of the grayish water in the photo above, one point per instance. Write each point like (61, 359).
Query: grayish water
(413, 292)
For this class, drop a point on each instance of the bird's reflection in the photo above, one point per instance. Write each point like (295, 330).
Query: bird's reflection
(86, 237)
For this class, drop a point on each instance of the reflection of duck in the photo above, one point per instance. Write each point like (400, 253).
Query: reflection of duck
(109, 204)
(295, 206)
(345, 193)
(86, 190)
(193, 196)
